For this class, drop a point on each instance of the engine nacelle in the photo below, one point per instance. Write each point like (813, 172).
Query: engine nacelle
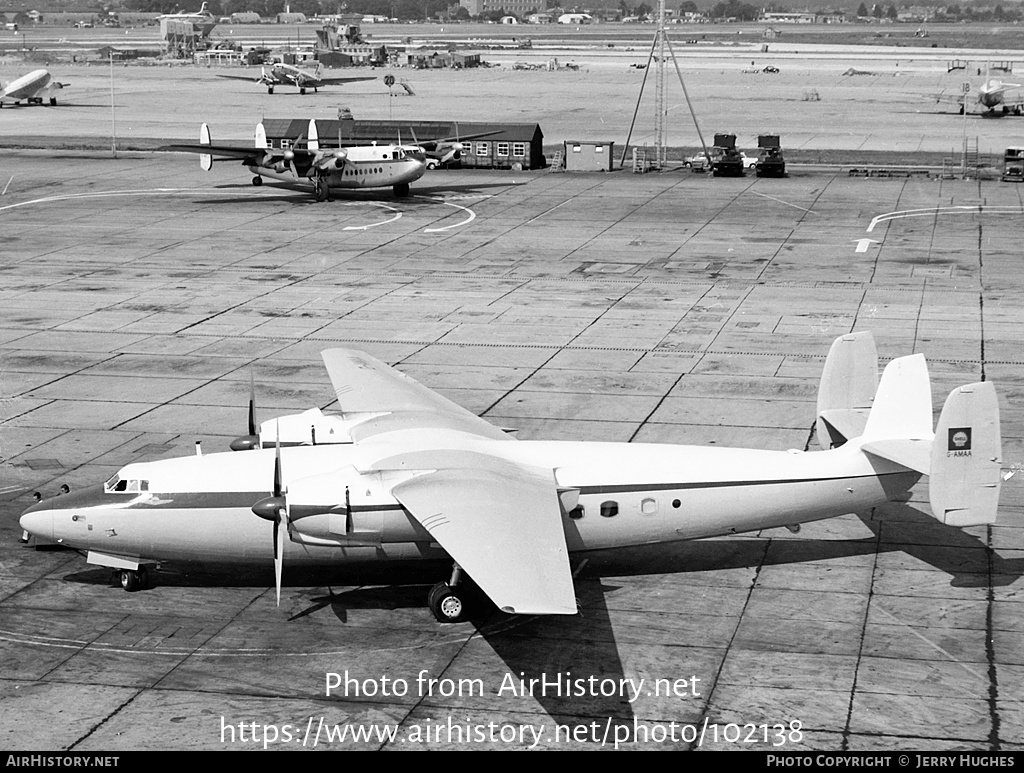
(320, 512)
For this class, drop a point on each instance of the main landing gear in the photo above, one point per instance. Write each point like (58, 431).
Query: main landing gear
(131, 579)
(257, 180)
(321, 191)
(401, 190)
(448, 600)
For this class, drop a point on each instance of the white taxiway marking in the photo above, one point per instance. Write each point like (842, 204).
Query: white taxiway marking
(470, 219)
(862, 244)
(218, 192)
(372, 225)
(928, 211)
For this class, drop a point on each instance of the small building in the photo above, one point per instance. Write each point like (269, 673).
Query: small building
(245, 17)
(588, 155)
(575, 18)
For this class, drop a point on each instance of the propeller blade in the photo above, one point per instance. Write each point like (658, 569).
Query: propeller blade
(253, 426)
(280, 530)
(277, 464)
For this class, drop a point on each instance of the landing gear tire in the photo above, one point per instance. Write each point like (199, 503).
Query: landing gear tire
(270, 89)
(447, 603)
(401, 190)
(257, 180)
(132, 580)
(53, 101)
(322, 192)
(302, 91)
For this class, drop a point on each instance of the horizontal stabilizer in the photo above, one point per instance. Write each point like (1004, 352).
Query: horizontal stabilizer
(966, 458)
(913, 454)
(848, 384)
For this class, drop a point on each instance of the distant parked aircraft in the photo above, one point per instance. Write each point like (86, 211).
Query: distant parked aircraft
(990, 95)
(280, 74)
(201, 19)
(32, 88)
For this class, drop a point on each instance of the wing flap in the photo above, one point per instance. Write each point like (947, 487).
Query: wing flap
(364, 384)
(501, 522)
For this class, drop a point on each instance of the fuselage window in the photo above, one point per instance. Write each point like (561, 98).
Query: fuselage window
(676, 503)
(648, 506)
(609, 509)
(577, 512)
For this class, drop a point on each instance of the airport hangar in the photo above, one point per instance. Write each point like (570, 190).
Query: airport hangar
(494, 145)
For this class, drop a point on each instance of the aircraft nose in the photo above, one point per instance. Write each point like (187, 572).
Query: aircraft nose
(38, 521)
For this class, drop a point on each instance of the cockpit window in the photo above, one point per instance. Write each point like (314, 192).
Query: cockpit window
(117, 483)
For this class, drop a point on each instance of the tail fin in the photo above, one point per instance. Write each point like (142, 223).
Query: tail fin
(962, 458)
(966, 457)
(261, 136)
(205, 159)
(313, 136)
(847, 387)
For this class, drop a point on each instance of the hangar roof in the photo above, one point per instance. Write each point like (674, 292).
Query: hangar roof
(407, 131)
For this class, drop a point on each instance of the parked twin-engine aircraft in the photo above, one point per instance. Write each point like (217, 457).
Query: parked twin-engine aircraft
(32, 88)
(404, 473)
(281, 74)
(358, 166)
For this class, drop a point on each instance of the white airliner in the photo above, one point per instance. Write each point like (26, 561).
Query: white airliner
(32, 89)
(281, 74)
(322, 169)
(990, 95)
(405, 474)
(202, 20)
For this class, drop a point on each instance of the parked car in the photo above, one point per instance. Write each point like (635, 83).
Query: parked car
(770, 69)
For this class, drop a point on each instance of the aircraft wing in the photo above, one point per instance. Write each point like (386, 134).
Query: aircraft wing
(227, 151)
(248, 78)
(338, 81)
(499, 521)
(364, 384)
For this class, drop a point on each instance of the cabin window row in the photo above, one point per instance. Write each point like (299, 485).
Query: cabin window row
(610, 508)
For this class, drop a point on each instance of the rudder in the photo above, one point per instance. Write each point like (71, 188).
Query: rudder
(847, 388)
(965, 476)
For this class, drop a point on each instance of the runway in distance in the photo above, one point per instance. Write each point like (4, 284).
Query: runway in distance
(324, 169)
(403, 474)
(31, 89)
(281, 74)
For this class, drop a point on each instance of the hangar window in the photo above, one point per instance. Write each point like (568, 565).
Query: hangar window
(483, 148)
(519, 149)
(599, 148)
(609, 509)
(648, 506)
(502, 148)
(577, 148)
(285, 144)
(577, 512)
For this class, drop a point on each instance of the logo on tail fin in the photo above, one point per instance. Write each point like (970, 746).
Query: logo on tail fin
(959, 443)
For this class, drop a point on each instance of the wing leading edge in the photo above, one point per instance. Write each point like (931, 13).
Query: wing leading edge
(364, 384)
